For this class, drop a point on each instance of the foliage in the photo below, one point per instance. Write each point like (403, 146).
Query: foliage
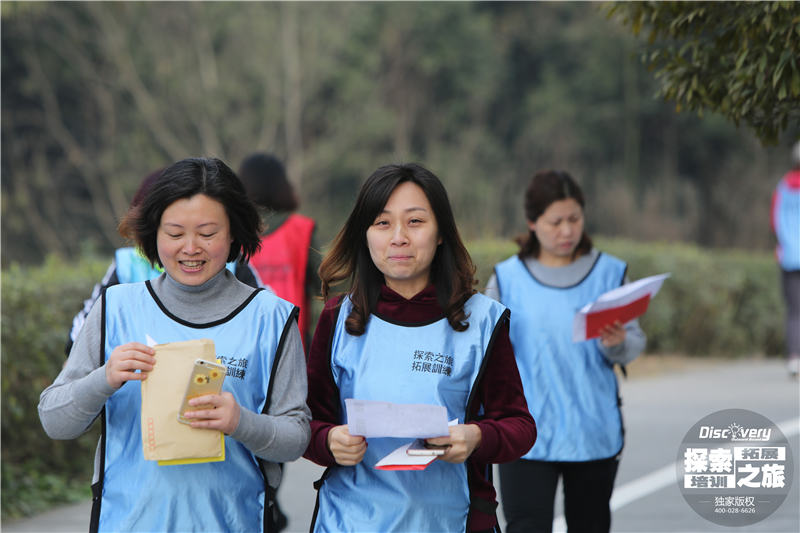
(98, 94)
(38, 305)
(715, 303)
(740, 59)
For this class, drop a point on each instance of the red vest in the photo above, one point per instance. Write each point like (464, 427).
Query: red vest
(281, 263)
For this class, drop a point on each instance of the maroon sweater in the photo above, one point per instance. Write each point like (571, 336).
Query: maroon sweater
(507, 428)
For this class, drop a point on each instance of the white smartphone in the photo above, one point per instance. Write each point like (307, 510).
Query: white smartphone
(206, 378)
(420, 447)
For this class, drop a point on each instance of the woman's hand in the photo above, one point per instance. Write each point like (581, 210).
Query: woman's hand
(125, 360)
(612, 334)
(463, 440)
(223, 413)
(347, 449)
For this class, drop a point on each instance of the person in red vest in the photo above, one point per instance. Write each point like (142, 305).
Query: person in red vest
(288, 260)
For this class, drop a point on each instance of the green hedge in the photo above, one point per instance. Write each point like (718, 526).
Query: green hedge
(37, 309)
(715, 303)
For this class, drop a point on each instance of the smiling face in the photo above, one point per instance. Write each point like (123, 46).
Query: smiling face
(559, 230)
(194, 239)
(402, 240)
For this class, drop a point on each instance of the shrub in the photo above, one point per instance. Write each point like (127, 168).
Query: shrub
(717, 302)
(37, 310)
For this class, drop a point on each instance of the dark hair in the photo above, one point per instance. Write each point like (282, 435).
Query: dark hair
(452, 270)
(185, 179)
(546, 187)
(144, 186)
(264, 179)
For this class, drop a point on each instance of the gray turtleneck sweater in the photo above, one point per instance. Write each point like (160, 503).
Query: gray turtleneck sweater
(69, 406)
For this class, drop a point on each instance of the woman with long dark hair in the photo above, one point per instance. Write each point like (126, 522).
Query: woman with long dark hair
(411, 329)
(571, 388)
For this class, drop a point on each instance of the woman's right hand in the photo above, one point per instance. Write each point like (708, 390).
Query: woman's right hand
(125, 360)
(347, 449)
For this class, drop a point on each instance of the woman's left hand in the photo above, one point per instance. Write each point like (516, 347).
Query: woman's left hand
(463, 440)
(223, 415)
(613, 334)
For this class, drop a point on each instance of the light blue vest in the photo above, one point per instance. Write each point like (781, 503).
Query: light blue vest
(139, 495)
(132, 266)
(786, 219)
(570, 387)
(422, 363)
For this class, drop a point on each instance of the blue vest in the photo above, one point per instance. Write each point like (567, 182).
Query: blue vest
(570, 387)
(131, 266)
(404, 363)
(786, 219)
(139, 495)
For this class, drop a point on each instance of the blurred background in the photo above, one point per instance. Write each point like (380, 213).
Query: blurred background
(96, 95)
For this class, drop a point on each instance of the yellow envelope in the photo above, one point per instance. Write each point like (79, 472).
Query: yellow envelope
(163, 437)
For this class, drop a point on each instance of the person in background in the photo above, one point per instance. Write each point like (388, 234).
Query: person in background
(130, 266)
(786, 225)
(411, 329)
(193, 220)
(289, 258)
(571, 388)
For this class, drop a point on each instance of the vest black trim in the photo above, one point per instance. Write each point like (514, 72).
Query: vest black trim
(481, 505)
(97, 488)
(472, 394)
(318, 483)
(207, 324)
(269, 492)
(588, 272)
(624, 273)
(291, 319)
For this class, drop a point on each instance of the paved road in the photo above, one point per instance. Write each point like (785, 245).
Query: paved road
(658, 412)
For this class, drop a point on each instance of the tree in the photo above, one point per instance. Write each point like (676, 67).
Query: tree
(740, 59)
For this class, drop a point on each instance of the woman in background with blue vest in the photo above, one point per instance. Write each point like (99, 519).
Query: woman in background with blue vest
(411, 329)
(571, 388)
(194, 219)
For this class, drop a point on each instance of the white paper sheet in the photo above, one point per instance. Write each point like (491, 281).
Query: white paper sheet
(385, 419)
(616, 299)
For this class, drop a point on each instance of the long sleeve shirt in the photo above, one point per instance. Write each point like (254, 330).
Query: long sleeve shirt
(69, 406)
(507, 428)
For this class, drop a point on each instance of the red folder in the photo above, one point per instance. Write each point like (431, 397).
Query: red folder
(595, 321)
